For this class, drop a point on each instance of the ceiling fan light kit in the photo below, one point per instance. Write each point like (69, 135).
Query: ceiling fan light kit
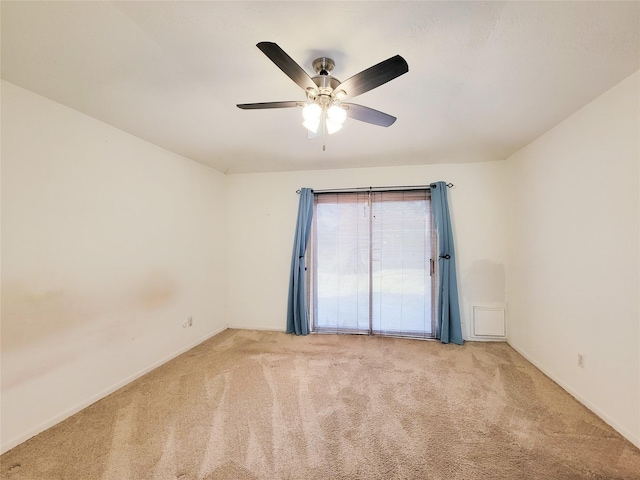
(314, 115)
(324, 108)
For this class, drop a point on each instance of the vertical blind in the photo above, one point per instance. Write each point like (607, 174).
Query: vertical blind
(371, 267)
(341, 262)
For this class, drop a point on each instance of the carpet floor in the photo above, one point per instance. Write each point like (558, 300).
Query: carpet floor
(265, 405)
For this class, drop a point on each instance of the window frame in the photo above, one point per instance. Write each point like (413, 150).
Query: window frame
(312, 258)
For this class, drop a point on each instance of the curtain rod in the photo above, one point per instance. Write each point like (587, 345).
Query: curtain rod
(375, 189)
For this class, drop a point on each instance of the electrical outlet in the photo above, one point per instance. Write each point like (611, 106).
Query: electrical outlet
(185, 324)
(190, 321)
(581, 360)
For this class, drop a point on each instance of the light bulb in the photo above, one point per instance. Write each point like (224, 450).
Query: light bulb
(312, 112)
(312, 125)
(337, 114)
(332, 127)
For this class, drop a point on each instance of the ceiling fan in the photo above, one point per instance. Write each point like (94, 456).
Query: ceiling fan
(325, 110)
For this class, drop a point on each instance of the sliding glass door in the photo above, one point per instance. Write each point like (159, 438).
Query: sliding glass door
(371, 269)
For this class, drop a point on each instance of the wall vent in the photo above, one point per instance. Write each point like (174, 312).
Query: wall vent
(489, 323)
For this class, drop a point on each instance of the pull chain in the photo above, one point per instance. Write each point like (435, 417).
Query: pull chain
(324, 135)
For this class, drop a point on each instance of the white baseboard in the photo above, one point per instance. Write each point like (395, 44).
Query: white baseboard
(253, 327)
(484, 339)
(619, 428)
(14, 442)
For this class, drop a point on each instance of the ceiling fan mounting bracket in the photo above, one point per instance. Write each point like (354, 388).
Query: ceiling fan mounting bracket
(323, 65)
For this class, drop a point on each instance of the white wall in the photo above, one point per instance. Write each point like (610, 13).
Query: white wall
(573, 254)
(108, 244)
(262, 210)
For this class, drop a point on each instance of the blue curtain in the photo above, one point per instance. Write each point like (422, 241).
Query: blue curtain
(297, 315)
(448, 327)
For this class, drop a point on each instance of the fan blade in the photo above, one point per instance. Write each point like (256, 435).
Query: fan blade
(374, 76)
(258, 106)
(369, 115)
(287, 65)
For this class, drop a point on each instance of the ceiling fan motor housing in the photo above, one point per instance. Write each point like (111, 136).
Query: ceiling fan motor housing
(326, 84)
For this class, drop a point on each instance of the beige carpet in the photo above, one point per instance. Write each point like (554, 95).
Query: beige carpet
(264, 405)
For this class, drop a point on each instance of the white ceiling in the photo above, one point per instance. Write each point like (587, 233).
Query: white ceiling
(485, 78)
